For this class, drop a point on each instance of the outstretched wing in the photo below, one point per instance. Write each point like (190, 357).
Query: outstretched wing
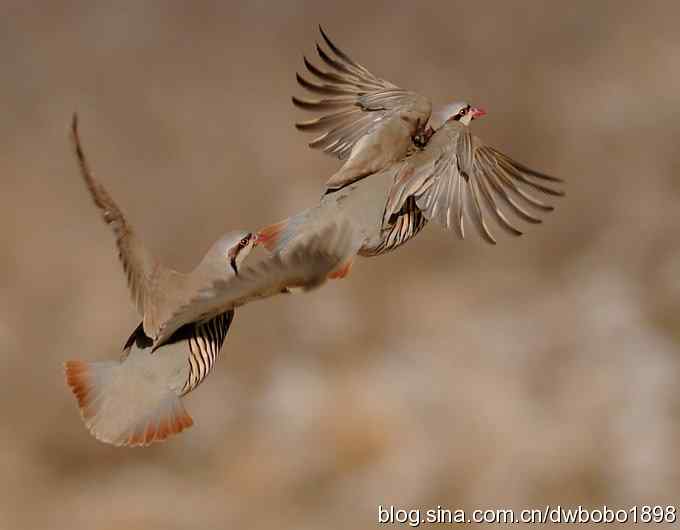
(356, 101)
(458, 177)
(137, 261)
(306, 266)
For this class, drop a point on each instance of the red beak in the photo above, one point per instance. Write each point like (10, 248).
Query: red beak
(477, 112)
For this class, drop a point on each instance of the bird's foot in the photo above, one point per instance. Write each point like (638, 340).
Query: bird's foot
(420, 140)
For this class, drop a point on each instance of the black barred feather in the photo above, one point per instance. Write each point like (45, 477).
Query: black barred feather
(205, 342)
(401, 227)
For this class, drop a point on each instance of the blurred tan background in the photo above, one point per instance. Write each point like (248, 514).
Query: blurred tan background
(543, 370)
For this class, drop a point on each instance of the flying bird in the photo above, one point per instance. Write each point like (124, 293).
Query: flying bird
(371, 121)
(399, 171)
(185, 318)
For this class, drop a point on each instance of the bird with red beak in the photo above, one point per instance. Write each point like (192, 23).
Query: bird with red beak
(403, 167)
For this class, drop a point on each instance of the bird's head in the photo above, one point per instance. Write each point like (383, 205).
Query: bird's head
(233, 247)
(462, 112)
(241, 245)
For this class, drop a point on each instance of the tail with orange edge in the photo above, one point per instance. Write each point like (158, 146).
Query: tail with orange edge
(124, 405)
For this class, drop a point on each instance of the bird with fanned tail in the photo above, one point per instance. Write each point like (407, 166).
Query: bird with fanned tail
(136, 400)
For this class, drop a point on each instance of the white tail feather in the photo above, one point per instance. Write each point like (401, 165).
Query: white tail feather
(124, 405)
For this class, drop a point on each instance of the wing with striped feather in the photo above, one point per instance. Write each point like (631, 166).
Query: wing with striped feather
(456, 177)
(306, 266)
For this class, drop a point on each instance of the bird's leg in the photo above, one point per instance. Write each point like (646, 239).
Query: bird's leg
(342, 272)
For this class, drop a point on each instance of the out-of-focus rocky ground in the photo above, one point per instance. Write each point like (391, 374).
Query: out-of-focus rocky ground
(542, 370)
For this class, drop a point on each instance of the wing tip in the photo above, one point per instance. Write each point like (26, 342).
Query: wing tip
(304, 104)
(325, 36)
(75, 137)
(74, 122)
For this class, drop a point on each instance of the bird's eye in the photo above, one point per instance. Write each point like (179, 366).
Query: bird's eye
(463, 111)
(244, 242)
